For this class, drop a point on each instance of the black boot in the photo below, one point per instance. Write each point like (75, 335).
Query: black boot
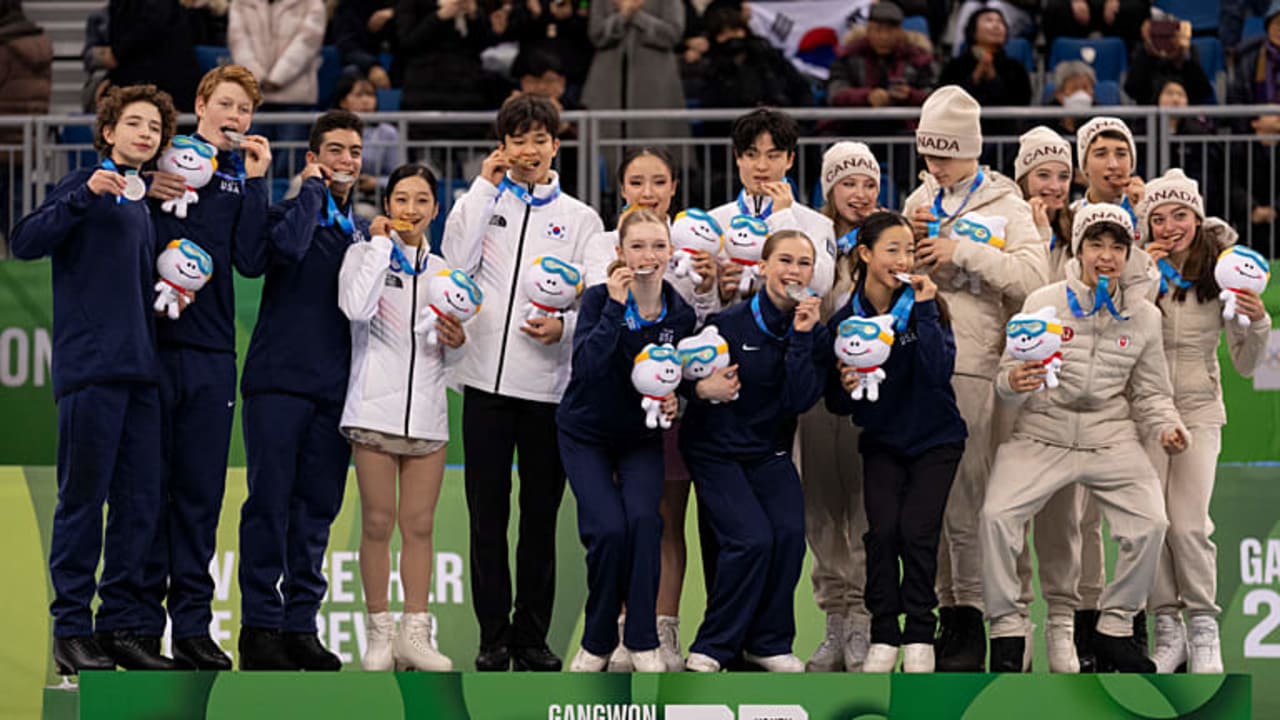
(82, 652)
(535, 659)
(945, 617)
(1085, 623)
(308, 653)
(263, 649)
(1140, 632)
(1006, 654)
(200, 653)
(1122, 653)
(494, 659)
(133, 652)
(966, 649)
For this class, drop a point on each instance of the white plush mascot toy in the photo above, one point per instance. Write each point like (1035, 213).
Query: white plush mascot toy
(655, 375)
(552, 286)
(745, 243)
(195, 161)
(1037, 336)
(692, 231)
(184, 267)
(864, 344)
(988, 230)
(1240, 268)
(703, 354)
(449, 292)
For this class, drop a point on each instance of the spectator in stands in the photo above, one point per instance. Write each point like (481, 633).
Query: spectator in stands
(279, 41)
(383, 151)
(1074, 83)
(557, 27)
(1257, 73)
(26, 82)
(1200, 161)
(440, 46)
(208, 21)
(883, 68)
(1020, 18)
(538, 71)
(1232, 17)
(363, 29)
(634, 67)
(744, 70)
(1085, 18)
(1163, 57)
(987, 73)
(151, 42)
(98, 59)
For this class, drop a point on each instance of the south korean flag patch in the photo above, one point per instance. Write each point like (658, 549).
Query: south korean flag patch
(556, 231)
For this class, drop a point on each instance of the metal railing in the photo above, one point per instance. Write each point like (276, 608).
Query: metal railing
(1230, 167)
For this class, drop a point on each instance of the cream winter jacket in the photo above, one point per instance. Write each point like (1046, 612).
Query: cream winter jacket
(1112, 371)
(1008, 274)
(1191, 332)
(496, 237)
(280, 43)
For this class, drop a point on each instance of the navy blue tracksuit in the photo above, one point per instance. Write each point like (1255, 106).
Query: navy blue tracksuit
(197, 389)
(614, 465)
(911, 443)
(105, 376)
(739, 454)
(294, 385)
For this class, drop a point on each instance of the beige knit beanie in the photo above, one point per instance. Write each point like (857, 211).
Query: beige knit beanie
(1040, 145)
(848, 158)
(1090, 131)
(1093, 214)
(950, 124)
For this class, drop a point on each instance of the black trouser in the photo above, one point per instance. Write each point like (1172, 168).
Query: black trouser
(905, 498)
(493, 427)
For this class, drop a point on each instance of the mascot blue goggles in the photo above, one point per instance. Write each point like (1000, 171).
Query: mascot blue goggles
(660, 354)
(864, 330)
(202, 148)
(465, 282)
(704, 354)
(564, 270)
(1031, 328)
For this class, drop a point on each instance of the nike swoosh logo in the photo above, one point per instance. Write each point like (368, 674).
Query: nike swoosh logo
(749, 348)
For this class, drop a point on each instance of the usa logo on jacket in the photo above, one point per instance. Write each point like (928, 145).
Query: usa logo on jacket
(556, 231)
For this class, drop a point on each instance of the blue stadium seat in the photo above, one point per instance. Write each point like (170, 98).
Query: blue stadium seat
(385, 59)
(330, 71)
(1202, 14)
(1211, 57)
(1110, 58)
(78, 135)
(279, 186)
(916, 23)
(389, 100)
(1019, 48)
(1253, 28)
(211, 56)
(447, 189)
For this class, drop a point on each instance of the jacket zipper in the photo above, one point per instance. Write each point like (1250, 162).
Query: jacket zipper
(1088, 379)
(511, 300)
(413, 342)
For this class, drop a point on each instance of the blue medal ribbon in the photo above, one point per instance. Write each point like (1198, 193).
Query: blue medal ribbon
(1053, 241)
(1101, 299)
(1170, 274)
(848, 241)
(901, 311)
(523, 194)
(331, 216)
(939, 213)
(109, 164)
(633, 318)
(401, 263)
(755, 313)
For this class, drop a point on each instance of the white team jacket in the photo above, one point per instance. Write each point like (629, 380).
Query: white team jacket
(812, 223)
(397, 383)
(496, 238)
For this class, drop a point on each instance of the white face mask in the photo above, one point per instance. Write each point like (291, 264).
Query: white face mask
(1078, 100)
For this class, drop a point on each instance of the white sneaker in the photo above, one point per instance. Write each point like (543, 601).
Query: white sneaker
(881, 658)
(585, 661)
(1205, 646)
(1060, 644)
(859, 640)
(415, 645)
(788, 663)
(620, 659)
(829, 656)
(648, 661)
(669, 642)
(697, 662)
(917, 658)
(1171, 643)
(380, 633)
